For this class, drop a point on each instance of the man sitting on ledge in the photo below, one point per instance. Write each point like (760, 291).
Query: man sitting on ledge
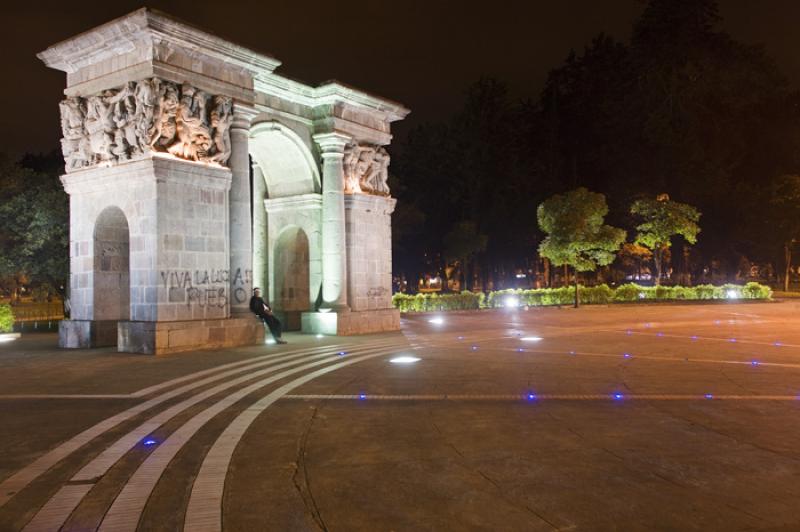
(262, 310)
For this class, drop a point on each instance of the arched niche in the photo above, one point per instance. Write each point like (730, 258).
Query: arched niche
(111, 270)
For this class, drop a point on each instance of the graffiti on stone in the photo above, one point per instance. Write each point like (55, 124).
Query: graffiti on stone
(377, 291)
(206, 287)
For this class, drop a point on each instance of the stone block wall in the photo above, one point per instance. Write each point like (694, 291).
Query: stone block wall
(369, 251)
(131, 189)
(192, 252)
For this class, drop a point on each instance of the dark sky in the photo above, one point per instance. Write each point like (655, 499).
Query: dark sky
(420, 53)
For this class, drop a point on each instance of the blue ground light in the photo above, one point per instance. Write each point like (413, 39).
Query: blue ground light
(659, 334)
(754, 363)
(362, 396)
(617, 396)
(572, 352)
(694, 337)
(342, 353)
(732, 340)
(531, 396)
(474, 347)
(627, 355)
(149, 442)
(709, 396)
(520, 350)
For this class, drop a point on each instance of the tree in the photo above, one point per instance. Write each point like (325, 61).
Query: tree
(34, 221)
(462, 243)
(784, 217)
(576, 234)
(663, 219)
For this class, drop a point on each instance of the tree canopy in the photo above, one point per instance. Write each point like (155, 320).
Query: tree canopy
(576, 233)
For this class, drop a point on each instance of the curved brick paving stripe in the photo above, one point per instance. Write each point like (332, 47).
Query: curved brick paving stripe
(58, 509)
(204, 512)
(127, 508)
(19, 480)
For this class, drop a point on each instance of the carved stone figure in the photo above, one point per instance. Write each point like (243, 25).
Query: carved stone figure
(366, 170)
(145, 116)
(221, 120)
(74, 145)
(194, 137)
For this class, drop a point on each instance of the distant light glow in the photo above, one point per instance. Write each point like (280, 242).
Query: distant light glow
(8, 338)
(362, 396)
(572, 352)
(754, 363)
(474, 347)
(404, 360)
(460, 338)
(320, 336)
(521, 276)
(732, 339)
(438, 320)
(629, 332)
(777, 344)
(520, 350)
(342, 353)
(511, 302)
(531, 397)
(694, 337)
(617, 396)
(531, 338)
(642, 295)
(708, 396)
(627, 355)
(733, 294)
(270, 341)
(659, 334)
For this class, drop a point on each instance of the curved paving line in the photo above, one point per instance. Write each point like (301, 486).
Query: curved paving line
(19, 480)
(204, 512)
(58, 509)
(127, 508)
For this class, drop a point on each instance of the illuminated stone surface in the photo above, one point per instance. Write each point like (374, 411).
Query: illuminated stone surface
(160, 124)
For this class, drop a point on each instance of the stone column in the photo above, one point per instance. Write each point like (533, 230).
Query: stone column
(334, 278)
(240, 224)
(260, 233)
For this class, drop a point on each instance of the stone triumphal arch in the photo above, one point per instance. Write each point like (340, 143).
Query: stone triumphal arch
(195, 172)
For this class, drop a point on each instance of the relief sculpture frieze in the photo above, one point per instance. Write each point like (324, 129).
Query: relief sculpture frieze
(145, 117)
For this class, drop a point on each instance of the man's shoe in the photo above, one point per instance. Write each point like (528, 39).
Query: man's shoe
(281, 341)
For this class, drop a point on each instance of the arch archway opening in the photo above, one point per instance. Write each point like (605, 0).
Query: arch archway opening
(292, 277)
(111, 270)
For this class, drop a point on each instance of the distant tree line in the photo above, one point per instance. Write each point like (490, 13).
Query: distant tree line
(682, 109)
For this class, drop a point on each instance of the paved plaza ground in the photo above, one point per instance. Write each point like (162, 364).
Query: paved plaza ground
(650, 417)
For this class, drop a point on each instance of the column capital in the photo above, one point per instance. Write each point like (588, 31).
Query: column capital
(243, 116)
(332, 144)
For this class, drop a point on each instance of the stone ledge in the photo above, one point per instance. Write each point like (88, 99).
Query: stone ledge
(351, 323)
(160, 338)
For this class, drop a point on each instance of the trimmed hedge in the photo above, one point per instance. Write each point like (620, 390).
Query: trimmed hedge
(589, 295)
(6, 318)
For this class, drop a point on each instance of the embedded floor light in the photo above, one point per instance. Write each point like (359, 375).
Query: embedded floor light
(438, 320)
(404, 360)
(149, 442)
(531, 338)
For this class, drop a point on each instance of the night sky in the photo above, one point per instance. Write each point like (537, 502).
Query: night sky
(420, 53)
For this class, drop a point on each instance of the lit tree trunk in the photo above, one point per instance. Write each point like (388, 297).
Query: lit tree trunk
(657, 261)
(546, 272)
(787, 254)
(577, 297)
